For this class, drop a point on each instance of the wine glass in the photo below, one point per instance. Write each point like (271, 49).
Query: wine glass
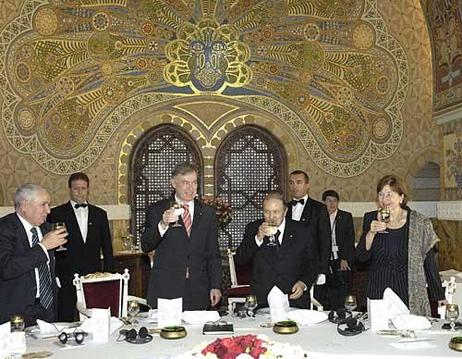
(57, 226)
(250, 304)
(452, 314)
(17, 323)
(133, 308)
(272, 229)
(178, 210)
(384, 216)
(350, 303)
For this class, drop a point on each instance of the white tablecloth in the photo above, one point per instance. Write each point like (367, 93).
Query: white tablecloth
(320, 341)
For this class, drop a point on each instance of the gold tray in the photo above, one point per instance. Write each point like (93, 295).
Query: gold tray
(175, 332)
(285, 327)
(456, 343)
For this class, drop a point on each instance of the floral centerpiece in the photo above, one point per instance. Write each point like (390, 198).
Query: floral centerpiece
(245, 347)
(222, 208)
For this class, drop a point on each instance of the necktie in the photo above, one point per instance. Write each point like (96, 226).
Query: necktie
(276, 237)
(187, 220)
(78, 205)
(294, 202)
(46, 291)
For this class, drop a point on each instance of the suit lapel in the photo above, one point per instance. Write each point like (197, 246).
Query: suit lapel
(306, 214)
(21, 232)
(198, 212)
(287, 238)
(75, 229)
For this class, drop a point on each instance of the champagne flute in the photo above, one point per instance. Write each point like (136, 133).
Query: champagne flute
(250, 304)
(178, 209)
(384, 216)
(350, 303)
(272, 229)
(55, 227)
(133, 308)
(452, 314)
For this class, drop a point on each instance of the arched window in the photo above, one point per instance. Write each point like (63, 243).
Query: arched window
(249, 163)
(153, 160)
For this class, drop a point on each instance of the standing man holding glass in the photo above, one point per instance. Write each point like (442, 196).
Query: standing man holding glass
(281, 254)
(27, 264)
(89, 237)
(184, 233)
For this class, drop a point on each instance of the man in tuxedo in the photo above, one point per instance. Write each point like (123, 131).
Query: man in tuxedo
(313, 215)
(342, 252)
(187, 260)
(286, 259)
(89, 236)
(27, 264)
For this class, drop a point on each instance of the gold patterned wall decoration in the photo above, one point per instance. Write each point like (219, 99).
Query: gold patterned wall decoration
(445, 25)
(70, 72)
(452, 149)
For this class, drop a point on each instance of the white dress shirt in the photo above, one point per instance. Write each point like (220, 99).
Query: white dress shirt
(81, 214)
(333, 217)
(297, 210)
(27, 226)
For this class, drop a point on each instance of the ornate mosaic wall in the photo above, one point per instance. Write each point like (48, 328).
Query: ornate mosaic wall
(346, 88)
(70, 70)
(445, 24)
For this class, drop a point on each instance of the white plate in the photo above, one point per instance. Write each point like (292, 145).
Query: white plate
(307, 316)
(34, 331)
(266, 310)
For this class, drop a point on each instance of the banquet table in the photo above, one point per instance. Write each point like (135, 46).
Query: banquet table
(320, 341)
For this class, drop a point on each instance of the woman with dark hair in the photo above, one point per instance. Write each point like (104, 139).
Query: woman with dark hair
(400, 251)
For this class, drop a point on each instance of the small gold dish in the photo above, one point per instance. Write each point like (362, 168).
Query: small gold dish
(174, 332)
(456, 343)
(285, 327)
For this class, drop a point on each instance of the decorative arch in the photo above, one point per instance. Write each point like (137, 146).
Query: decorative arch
(249, 163)
(152, 161)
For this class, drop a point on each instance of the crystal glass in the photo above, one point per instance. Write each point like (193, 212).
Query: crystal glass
(384, 216)
(133, 308)
(452, 314)
(57, 226)
(178, 209)
(272, 229)
(250, 304)
(350, 302)
(17, 323)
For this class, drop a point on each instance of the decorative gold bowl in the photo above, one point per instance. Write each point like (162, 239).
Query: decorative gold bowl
(285, 327)
(456, 343)
(174, 332)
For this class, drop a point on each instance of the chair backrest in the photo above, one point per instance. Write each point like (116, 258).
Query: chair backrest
(103, 290)
(240, 274)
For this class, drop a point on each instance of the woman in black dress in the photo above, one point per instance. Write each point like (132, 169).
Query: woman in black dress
(400, 253)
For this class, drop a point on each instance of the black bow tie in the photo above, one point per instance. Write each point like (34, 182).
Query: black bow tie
(78, 205)
(295, 201)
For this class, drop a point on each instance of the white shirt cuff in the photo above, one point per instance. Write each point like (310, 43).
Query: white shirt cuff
(258, 242)
(45, 250)
(162, 230)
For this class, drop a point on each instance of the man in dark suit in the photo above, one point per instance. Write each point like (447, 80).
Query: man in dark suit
(342, 253)
(286, 259)
(27, 266)
(89, 235)
(313, 215)
(187, 260)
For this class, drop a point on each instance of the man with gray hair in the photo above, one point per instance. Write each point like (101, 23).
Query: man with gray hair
(27, 279)
(184, 233)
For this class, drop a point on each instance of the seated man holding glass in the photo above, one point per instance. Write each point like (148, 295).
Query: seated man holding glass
(280, 254)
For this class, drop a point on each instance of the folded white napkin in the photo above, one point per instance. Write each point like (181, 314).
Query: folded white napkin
(307, 317)
(411, 322)
(199, 316)
(47, 328)
(278, 303)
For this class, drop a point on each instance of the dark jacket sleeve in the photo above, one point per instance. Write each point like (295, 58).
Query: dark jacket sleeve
(248, 247)
(435, 289)
(212, 254)
(363, 255)
(106, 242)
(151, 238)
(348, 247)
(325, 239)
